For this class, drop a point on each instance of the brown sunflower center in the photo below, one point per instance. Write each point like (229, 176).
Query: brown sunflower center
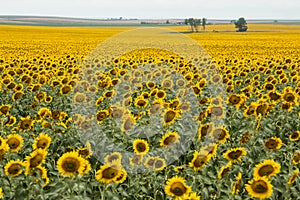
(274, 96)
(36, 160)
(289, 97)
(141, 147)
(271, 144)
(200, 160)
(219, 134)
(14, 169)
(4, 109)
(234, 99)
(217, 111)
(13, 143)
(294, 135)
(235, 154)
(169, 116)
(266, 170)
(259, 186)
(101, 116)
(158, 164)
(25, 124)
(178, 189)
(296, 157)
(141, 103)
(71, 165)
(169, 140)
(109, 173)
(42, 143)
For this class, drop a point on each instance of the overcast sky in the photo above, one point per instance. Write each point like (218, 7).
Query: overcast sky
(213, 9)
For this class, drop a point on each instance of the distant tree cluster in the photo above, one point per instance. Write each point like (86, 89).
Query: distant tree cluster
(195, 23)
(241, 24)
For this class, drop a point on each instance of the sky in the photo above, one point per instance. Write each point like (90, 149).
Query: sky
(155, 9)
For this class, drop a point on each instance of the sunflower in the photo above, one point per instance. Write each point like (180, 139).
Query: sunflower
(109, 172)
(219, 134)
(113, 156)
(245, 137)
(204, 130)
(237, 184)
(224, 170)
(289, 96)
(26, 123)
(294, 136)
(293, 177)
(217, 112)
(17, 95)
(235, 154)
(274, 96)
(236, 100)
(44, 113)
(211, 149)
(128, 123)
(48, 99)
(141, 147)
(42, 142)
(259, 188)
(167, 83)
(170, 116)
(273, 143)
(176, 187)
(86, 167)
(85, 152)
(155, 108)
(11, 121)
(15, 142)
(35, 159)
(42, 173)
(70, 163)
(79, 98)
(169, 139)
(140, 102)
(14, 168)
(136, 160)
(101, 116)
(267, 169)
(1, 193)
(200, 159)
(161, 94)
(117, 112)
(4, 109)
(40, 96)
(66, 89)
(122, 177)
(185, 107)
(159, 164)
(149, 162)
(296, 158)
(250, 110)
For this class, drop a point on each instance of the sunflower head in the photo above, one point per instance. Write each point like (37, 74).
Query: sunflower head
(267, 169)
(273, 143)
(169, 139)
(15, 142)
(14, 168)
(140, 146)
(70, 163)
(235, 154)
(176, 187)
(259, 188)
(42, 142)
(109, 172)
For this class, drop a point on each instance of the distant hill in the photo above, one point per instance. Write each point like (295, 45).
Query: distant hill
(67, 21)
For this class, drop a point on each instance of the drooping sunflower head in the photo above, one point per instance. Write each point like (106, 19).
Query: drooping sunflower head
(176, 187)
(26, 123)
(170, 116)
(219, 134)
(296, 158)
(35, 159)
(140, 146)
(267, 169)
(259, 188)
(200, 159)
(224, 170)
(204, 130)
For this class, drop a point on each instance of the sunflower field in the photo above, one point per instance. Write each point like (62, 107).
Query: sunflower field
(130, 113)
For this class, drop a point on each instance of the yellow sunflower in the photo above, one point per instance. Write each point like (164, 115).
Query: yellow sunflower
(267, 168)
(70, 163)
(136, 160)
(296, 158)
(219, 134)
(169, 139)
(35, 159)
(128, 123)
(200, 159)
(122, 177)
(26, 123)
(15, 142)
(224, 170)
(293, 177)
(101, 116)
(273, 143)
(176, 187)
(4, 109)
(109, 172)
(85, 152)
(237, 184)
(259, 188)
(113, 156)
(11, 121)
(159, 163)
(140, 102)
(217, 112)
(1, 193)
(294, 136)
(204, 130)
(211, 149)
(141, 147)
(170, 116)
(235, 154)
(42, 142)
(14, 168)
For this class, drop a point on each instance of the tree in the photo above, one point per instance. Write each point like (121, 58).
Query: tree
(241, 24)
(194, 23)
(204, 20)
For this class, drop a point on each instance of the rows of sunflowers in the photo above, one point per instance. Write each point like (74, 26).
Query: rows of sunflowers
(129, 119)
